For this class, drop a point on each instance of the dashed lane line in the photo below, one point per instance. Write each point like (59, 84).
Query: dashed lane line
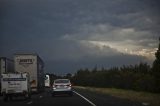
(84, 98)
(29, 102)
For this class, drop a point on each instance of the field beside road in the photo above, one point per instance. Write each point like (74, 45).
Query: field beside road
(147, 99)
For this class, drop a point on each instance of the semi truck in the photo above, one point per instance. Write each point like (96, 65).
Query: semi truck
(47, 81)
(32, 64)
(6, 65)
(15, 84)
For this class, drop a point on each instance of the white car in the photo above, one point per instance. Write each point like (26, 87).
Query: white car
(62, 86)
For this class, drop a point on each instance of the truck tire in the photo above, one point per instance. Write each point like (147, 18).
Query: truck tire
(53, 94)
(27, 96)
(10, 97)
(5, 98)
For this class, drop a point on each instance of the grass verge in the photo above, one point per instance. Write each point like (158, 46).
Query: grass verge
(148, 99)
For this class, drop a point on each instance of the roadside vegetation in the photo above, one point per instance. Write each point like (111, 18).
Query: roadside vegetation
(146, 98)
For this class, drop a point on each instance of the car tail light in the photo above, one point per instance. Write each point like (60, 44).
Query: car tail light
(53, 86)
(69, 85)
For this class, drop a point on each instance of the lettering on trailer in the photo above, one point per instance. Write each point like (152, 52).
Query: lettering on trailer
(14, 79)
(25, 62)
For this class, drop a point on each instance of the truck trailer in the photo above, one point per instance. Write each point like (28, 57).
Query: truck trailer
(6, 65)
(32, 64)
(15, 84)
(47, 81)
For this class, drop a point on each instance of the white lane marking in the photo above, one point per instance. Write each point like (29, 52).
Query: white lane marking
(145, 104)
(29, 102)
(84, 98)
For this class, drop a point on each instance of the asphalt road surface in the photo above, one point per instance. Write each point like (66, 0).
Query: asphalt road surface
(79, 98)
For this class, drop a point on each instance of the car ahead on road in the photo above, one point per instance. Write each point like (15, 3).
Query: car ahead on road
(62, 86)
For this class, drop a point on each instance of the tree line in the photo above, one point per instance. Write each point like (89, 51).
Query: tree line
(136, 77)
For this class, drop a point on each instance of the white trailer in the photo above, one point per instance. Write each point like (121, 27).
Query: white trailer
(6, 65)
(47, 81)
(16, 84)
(32, 64)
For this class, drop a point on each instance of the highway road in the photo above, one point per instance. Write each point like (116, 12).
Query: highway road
(79, 98)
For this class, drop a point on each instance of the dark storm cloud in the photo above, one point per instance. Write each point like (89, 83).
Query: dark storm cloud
(70, 34)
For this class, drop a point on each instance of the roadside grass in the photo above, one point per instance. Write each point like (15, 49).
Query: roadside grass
(146, 98)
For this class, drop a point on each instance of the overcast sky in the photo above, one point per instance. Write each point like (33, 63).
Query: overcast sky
(73, 34)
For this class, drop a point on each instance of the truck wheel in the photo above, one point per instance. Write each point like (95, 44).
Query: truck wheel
(53, 94)
(5, 98)
(26, 96)
(10, 97)
(29, 96)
